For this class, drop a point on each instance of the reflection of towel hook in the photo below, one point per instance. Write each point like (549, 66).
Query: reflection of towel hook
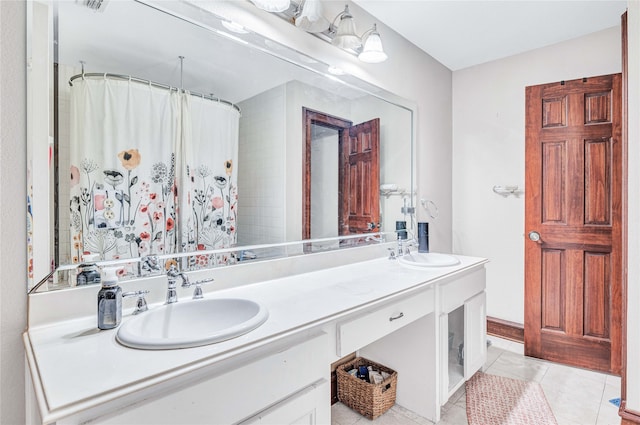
(505, 191)
(430, 206)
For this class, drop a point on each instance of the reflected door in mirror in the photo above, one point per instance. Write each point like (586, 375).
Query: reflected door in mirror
(341, 192)
(360, 179)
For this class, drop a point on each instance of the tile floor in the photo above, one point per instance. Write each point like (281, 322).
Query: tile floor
(577, 396)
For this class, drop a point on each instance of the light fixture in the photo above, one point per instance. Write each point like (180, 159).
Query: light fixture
(310, 18)
(307, 15)
(346, 37)
(372, 51)
(272, 5)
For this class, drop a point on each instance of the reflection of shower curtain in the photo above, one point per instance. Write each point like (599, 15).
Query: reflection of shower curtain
(210, 190)
(131, 145)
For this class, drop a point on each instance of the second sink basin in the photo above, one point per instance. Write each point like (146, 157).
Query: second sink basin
(429, 259)
(192, 323)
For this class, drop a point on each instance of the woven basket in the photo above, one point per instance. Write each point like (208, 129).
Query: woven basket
(370, 400)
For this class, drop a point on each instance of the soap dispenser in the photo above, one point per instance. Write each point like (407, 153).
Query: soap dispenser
(423, 237)
(88, 272)
(109, 300)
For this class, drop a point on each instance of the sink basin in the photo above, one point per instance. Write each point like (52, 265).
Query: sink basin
(428, 259)
(193, 323)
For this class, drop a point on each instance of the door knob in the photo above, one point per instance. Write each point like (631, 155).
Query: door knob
(534, 236)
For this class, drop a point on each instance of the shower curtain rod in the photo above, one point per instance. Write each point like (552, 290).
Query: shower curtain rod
(151, 83)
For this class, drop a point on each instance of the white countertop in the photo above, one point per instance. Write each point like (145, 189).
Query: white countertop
(75, 366)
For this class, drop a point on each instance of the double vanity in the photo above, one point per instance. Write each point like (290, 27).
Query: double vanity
(260, 344)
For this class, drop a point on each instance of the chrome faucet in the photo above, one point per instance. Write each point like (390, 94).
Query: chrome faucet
(172, 274)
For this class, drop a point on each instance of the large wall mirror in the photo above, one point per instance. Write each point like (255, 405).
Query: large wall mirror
(157, 128)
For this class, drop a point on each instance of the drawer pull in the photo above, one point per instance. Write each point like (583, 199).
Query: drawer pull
(399, 316)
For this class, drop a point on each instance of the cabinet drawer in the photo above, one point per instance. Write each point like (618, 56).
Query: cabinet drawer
(456, 292)
(363, 330)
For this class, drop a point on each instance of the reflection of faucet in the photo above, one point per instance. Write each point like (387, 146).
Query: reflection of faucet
(401, 230)
(172, 274)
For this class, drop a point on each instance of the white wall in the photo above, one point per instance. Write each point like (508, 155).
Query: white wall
(488, 150)
(261, 168)
(13, 193)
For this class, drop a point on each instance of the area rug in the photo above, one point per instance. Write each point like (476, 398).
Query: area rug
(495, 400)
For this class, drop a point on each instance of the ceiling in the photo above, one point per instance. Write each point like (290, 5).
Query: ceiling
(130, 38)
(460, 34)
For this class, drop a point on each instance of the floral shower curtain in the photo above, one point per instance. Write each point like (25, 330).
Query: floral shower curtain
(210, 190)
(136, 172)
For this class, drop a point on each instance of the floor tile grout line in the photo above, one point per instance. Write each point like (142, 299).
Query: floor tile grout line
(602, 400)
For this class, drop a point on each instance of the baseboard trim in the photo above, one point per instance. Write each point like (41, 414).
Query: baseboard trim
(505, 329)
(629, 417)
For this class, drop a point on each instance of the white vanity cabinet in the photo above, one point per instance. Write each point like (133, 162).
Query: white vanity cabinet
(462, 320)
(287, 384)
(280, 372)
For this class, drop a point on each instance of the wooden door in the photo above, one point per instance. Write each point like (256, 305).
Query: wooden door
(360, 179)
(573, 223)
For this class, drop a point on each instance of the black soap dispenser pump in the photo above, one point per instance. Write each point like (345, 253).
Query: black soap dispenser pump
(109, 300)
(423, 237)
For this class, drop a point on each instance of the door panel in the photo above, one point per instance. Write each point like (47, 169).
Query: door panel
(573, 200)
(554, 159)
(597, 284)
(553, 284)
(597, 184)
(360, 212)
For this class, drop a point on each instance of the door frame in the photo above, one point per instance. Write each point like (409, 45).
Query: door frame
(310, 117)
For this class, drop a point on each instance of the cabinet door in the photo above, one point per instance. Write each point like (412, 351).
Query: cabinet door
(475, 334)
(310, 406)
